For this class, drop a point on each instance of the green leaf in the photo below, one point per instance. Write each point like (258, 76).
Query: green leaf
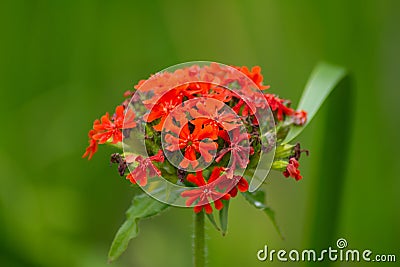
(212, 221)
(257, 199)
(330, 165)
(323, 80)
(223, 217)
(143, 206)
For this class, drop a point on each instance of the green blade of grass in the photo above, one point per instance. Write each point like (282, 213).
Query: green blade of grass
(323, 80)
(330, 171)
(332, 85)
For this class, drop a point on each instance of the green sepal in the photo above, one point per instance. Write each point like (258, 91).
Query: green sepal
(211, 218)
(223, 217)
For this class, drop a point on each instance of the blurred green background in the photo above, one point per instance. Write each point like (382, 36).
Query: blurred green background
(64, 63)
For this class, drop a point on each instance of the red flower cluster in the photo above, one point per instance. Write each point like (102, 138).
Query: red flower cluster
(195, 121)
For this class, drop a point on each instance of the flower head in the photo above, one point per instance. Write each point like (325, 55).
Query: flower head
(106, 128)
(255, 75)
(292, 169)
(212, 112)
(240, 151)
(163, 107)
(203, 114)
(192, 142)
(279, 106)
(235, 184)
(207, 192)
(145, 169)
(300, 117)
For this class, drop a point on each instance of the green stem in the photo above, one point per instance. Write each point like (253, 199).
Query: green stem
(199, 244)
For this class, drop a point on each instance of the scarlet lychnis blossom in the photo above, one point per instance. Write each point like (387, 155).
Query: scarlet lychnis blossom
(200, 123)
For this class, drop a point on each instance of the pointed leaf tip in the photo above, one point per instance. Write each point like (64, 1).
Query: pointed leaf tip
(323, 80)
(143, 206)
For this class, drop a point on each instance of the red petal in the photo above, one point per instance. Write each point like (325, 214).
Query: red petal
(243, 185)
(233, 192)
(208, 208)
(160, 125)
(204, 149)
(190, 153)
(197, 209)
(154, 114)
(184, 132)
(197, 179)
(117, 136)
(218, 204)
(215, 174)
(172, 142)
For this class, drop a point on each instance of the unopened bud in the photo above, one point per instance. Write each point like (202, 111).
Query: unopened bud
(284, 151)
(279, 165)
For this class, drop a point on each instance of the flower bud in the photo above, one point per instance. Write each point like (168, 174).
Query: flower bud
(279, 165)
(284, 151)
